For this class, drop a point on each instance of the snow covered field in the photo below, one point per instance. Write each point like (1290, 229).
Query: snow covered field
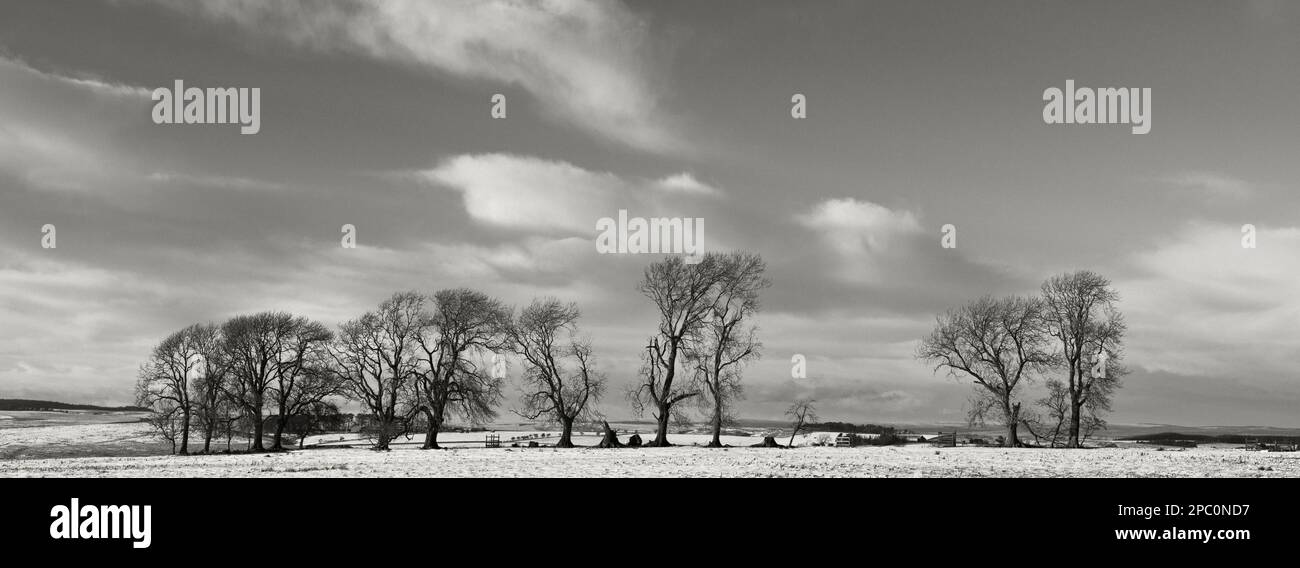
(127, 449)
(908, 461)
(59, 434)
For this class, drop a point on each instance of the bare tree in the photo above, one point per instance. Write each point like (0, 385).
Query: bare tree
(164, 381)
(1056, 408)
(684, 295)
(165, 419)
(256, 345)
(301, 378)
(801, 413)
(726, 342)
(546, 336)
(229, 416)
(465, 326)
(374, 356)
(995, 342)
(1081, 316)
(209, 385)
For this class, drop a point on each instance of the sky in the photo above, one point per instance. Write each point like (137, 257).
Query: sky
(918, 115)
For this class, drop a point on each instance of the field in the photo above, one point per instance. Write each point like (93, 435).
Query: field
(105, 446)
(61, 434)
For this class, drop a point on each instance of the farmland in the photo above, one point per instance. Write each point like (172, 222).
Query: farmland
(106, 446)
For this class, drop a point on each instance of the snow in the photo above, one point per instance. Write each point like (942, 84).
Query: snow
(103, 433)
(917, 460)
(129, 450)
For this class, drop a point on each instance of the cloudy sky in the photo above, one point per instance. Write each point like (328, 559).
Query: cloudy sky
(919, 114)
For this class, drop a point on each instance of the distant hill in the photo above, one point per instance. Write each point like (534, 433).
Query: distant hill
(1212, 439)
(18, 404)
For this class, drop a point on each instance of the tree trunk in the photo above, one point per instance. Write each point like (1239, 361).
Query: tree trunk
(207, 441)
(1076, 377)
(566, 435)
(717, 423)
(661, 437)
(610, 440)
(277, 444)
(1073, 442)
(431, 432)
(386, 434)
(185, 433)
(1013, 423)
(257, 423)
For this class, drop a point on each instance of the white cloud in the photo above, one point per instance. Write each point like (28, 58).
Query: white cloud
(864, 235)
(584, 60)
(685, 182)
(536, 195)
(530, 193)
(1202, 305)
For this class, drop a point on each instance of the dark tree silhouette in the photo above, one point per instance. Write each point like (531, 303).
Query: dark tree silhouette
(301, 375)
(684, 295)
(801, 414)
(726, 339)
(375, 359)
(559, 380)
(465, 326)
(164, 383)
(210, 383)
(253, 343)
(997, 343)
(1080, 313)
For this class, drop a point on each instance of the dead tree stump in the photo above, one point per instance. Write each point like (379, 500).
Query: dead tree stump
(768, 442)
(610, 440)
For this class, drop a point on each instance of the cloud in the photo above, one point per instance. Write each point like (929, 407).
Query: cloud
(686, 183)
(56, 132)
(531, 194)
(64, 134)
(88, 83)
(1210, 184)
(585, 61)
(223, 182)
(1199, 304)
(864, 237)
(859, 227)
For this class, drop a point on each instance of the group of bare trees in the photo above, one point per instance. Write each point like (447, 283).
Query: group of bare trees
(1001, 344)
(427, 356)
(705, 331)
(414, 356)
(213, 377)
(440, 357)
(420, 355)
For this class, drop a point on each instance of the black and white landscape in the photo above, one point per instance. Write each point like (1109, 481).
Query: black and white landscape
(569, 238)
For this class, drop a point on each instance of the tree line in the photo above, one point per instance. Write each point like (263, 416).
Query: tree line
(422, 360)
(1071, 334)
